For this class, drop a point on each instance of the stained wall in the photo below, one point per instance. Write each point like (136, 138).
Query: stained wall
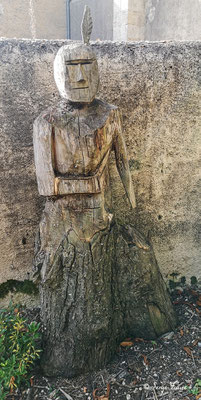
(172, 20)
(158, 88)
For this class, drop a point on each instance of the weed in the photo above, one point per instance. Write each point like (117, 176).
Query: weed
(196, 387)
(18, 350)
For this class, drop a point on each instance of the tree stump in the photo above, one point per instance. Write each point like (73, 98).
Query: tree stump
(95, 292)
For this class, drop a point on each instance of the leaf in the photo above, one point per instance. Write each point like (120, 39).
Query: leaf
(125, 344)
(179, 373)
(181, 332)
(184, 302)
(87, 25)
(137, 339)
(194, 293)
(188, 351)
(198, 396)
(198, 302)
(103, 397)
(145, 359)
(84, 389)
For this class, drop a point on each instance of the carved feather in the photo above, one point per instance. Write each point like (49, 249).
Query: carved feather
(87, 25)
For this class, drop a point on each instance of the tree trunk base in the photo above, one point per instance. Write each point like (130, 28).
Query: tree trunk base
(96, 293)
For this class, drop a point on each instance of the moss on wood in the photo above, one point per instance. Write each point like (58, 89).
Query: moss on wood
(13, 285)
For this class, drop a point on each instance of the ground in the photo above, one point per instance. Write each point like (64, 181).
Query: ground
(168, 368)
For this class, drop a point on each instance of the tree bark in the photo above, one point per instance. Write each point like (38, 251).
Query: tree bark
(95, 292)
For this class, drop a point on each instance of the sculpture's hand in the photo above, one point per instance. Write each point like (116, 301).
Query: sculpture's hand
(122, 165)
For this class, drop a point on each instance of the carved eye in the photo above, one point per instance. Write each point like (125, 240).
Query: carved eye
(77, 62)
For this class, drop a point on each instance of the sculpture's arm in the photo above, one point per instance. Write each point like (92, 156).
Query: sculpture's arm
(42, 140)
(122, 163)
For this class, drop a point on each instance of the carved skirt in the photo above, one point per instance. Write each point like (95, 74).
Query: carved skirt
(95, 291)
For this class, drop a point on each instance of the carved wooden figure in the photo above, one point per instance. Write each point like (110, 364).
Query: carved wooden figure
(99, 281)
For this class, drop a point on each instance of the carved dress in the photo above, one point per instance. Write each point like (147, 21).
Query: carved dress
(98, 281)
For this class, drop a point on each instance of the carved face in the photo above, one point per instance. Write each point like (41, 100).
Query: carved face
(76, 73)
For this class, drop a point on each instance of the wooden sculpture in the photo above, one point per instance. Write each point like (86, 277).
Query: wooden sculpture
(99, 281)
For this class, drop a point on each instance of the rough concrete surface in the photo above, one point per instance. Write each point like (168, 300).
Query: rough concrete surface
(172, 20)
(102, 15)
(33, 19)
(158, 88)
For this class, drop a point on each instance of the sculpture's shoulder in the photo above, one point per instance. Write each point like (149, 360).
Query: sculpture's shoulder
(96, 114)
(101, 107)
(58, 115)
(91, 116)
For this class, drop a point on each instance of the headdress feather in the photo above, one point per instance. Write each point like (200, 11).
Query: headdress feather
(87, 25)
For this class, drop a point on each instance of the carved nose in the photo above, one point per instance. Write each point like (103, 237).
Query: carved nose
(80, 76)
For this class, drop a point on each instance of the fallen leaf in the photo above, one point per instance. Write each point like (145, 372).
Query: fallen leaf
(179, 373)
(85, 390)
(184, 302)
(104, 396)
(194, 293)
(199, 298)
(124, 344)
(16, 310)
(135, 381)
(188, 351)
(31, 381)
(198, 311)
(198, 396)
(145, 359)
(181, 332)
(198, 302)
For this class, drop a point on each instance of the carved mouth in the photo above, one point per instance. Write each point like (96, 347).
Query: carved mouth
(87, 87)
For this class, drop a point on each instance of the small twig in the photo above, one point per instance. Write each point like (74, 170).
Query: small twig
(126, 386)
(155, 395)
(40, 387)
(67, 396)
(193, 360)
(103, 380)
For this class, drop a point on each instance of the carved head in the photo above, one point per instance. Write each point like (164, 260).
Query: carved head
(76, 73)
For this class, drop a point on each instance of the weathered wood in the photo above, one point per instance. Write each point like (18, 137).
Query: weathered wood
(95, 293)
(99, 281)
(72, 146)
(78, 63)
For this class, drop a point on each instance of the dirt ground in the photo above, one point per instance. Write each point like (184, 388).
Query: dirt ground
(168, 368)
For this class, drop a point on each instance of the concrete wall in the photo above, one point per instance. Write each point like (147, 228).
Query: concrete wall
(118, 20)
(33, 19)
(136, 20)
(102, 14)
(172, 19)
(158, 88)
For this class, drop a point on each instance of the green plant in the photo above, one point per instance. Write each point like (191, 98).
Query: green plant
(18, 349)
(196, 387)
(193, 280)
